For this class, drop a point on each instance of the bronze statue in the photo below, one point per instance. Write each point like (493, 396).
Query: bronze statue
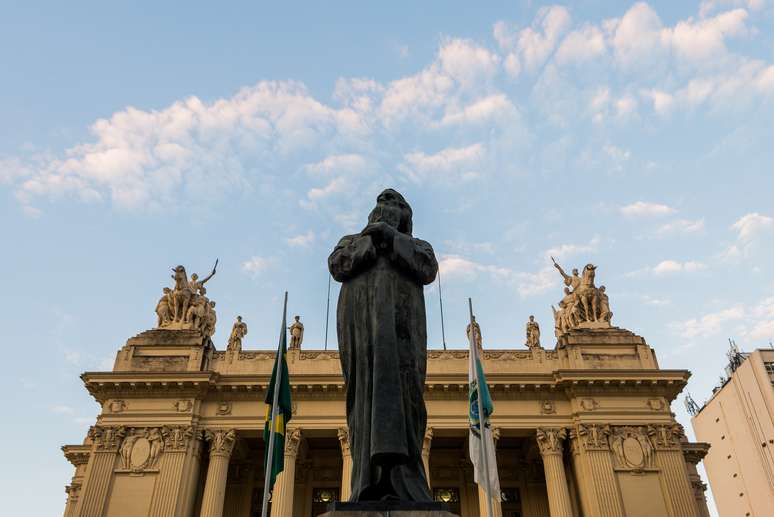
(383, 349)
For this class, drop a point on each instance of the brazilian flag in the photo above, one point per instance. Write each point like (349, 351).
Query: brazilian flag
(284, 411)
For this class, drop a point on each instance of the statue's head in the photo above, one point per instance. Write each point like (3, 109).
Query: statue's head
(531, 318)
(178, 270)
(590, 267)
(194, 277)
(601, 288)
(297, 317)
(392, 208)
(167, 290)
(212, 304)
(566, 290)
(239, 319)
(575, 271)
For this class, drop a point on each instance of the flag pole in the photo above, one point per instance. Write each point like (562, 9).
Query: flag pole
(327, 311)
(274, 403)
(440, 301)
(481, 415)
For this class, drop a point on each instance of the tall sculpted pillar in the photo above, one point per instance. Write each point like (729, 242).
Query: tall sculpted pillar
(221, 446)
(99, 472)
(549, 441)
(285, 484)
(178, 466)
(670, 459)
(593, 462)
(346, 465)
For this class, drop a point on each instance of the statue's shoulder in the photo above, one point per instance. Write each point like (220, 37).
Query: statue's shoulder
(347, 239)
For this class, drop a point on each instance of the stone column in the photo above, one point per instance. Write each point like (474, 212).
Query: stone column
(191, 469)
(346, 464)
(693, 454)
(598, 486)
(426, 443)
(670, 460)
(285, 484)
(78, 456)
(497, 510)
(171, 482)
(221, 446)
(99, 471)
(550, 443)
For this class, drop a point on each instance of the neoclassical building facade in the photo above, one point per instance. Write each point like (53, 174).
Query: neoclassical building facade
(583, 428)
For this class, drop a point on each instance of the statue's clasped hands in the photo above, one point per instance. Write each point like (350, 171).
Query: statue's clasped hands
(381, 233)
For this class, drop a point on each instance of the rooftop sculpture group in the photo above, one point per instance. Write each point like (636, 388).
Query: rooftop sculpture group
(186, 306)
(584, 305)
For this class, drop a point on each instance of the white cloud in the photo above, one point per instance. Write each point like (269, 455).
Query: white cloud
(709, 6)
(667, 267)
(700, 40)
(581, 45)
(450, 164)
(467, 62)
(256, 265)
(530, 47)
(709, 324)
(637, 35)
(748, 229)
(337, 163)
(481, 111)
(751, 225)
(681, 226)
(564, 251)
(303, 240)
(644, 209)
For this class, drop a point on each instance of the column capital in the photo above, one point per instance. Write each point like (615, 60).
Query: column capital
(591, 437)
(178, 438)
(549, 440)
(292, 441)
(666, 436)
(107, 438)
(343, 434)
(221, 441)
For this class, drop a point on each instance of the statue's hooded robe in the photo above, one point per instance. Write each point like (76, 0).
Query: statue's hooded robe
(383, 348)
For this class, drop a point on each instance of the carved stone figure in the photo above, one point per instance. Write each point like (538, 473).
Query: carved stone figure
(238, 331)
(126, 451)
(477, 339)
(163, 308)
(186, 306)
(210, 320)
(181, 294)
(153, 435)
(604, 305)
(196, 285)
(584, 305)
(296, 333)
(383, 350)
(533, 333)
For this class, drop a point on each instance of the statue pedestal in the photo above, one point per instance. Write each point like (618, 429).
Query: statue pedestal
(388, 509)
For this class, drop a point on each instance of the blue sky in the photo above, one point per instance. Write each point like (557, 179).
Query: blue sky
(137, 137)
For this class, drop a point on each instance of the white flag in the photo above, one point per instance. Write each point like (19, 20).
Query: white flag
(475, 446)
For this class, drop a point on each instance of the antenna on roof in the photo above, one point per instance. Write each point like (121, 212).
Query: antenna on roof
(690, 405)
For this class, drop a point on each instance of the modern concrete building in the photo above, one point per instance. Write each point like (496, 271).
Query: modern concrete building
(738, 423)
(584, 428)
